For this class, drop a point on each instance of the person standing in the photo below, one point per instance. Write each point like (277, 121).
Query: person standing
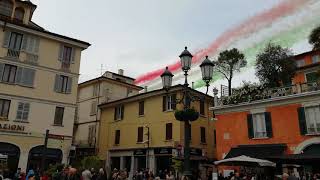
(86, 175)
(102, 175)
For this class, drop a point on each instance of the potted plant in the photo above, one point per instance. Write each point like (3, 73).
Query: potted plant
(186, 115)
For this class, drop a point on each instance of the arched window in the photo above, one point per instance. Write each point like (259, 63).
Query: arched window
(6, 7)
(19, 13)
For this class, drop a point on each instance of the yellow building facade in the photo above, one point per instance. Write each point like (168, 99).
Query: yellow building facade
(141, 131)
(39, 72)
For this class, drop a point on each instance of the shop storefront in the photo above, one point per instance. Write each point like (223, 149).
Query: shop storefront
(140, 158)
(53, 156)
(163, 157)
(10, 155)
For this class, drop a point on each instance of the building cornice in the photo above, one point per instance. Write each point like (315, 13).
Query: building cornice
(102, 78)
(301, 98)
(44, 33)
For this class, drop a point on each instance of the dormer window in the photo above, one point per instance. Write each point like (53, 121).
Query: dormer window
(6, 7)
(19, 13)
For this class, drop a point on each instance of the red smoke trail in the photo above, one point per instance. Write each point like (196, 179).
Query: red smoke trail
(245, 28)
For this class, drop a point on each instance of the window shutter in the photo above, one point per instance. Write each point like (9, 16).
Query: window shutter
(164, 102)
(57, 83)
(73, 54)
(27, 78)
(267, 116)
(36, 46)
(60, 58)
(93, 108)
(250, 126)
(69, 86)
(25, 43)
(168, 131)
(302, 121)
(19, 111)
(122, 111)
(6, 40)
(174, 101)
(115, 113)
(140, 134)
(1, 70)
(19, 75)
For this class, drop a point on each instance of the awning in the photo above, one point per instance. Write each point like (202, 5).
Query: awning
(261, 151)
(301, 159)
(245, 161)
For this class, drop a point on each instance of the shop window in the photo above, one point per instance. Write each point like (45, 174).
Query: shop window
(4, 108)
(58, 118)
(169, 102)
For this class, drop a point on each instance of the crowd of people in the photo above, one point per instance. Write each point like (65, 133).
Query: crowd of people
(284, 176)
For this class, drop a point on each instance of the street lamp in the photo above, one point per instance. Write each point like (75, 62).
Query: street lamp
(207, 73)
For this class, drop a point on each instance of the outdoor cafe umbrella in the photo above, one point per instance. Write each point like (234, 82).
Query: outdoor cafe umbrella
(245, 161)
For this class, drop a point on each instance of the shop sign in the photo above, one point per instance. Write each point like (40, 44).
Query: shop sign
(140, 152)
(158, 151)
(196, 152)
(11, 127)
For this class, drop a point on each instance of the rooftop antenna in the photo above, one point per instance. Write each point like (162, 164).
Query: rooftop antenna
(101, 70)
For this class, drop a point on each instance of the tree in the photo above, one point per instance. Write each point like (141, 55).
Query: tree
(229, 62)
(314, 38)
(275, 66)
(91, 162)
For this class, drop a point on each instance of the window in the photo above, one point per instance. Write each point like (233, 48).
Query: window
(300, 62)
(95, 90)
(63, 84)
(118, 112)
(9, 73)
(140, 134)
(19, 14)
(4, 108)
(313, 119)
(141, 108)
(312, 76)
(6, 7)
(66, 54)
(91, 135)
(214, 137)
(93, 108)
(117, 137)
(202, 111)
(315, 59)
(15, 44)
(259, 125)
(169, 131)
(23, 111)
(169, 103)
(203, 134)
(58, 117)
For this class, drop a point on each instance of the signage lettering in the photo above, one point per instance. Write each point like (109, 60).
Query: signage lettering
(139, 152)
(10, 127)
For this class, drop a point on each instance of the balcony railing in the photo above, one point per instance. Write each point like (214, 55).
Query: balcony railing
(13, 53)
(270, 93)
(65, 66)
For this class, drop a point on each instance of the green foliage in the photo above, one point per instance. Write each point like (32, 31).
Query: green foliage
(186, 115)
(314, 38)
(91, 162)
(53, 168)
(275, 66)
(229, 62)
(177, 164)
(246, 93)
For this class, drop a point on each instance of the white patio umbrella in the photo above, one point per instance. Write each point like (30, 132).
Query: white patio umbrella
(245, 161)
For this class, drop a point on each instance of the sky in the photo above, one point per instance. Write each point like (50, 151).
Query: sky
(141, 35)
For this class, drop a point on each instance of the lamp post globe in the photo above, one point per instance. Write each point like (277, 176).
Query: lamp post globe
(186, 59)
(166, 77)
(207, 70)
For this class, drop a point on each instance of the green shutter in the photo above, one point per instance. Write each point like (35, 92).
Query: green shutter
(302, 121)
(250, 126)
(267, 116)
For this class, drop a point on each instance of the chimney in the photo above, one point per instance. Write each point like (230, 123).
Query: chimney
(145, 89)
(120, 72)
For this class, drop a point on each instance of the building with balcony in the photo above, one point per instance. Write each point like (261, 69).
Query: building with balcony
(141, 131)
(39, 72)
(108, 87)
(280, 124)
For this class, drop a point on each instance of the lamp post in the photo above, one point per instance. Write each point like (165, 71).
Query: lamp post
(207, 73)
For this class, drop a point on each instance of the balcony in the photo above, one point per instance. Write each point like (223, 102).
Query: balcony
(13, 53)
(263, 94)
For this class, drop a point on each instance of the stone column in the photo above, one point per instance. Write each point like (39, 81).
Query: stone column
(23, 159)
(122, 163)
(132, 169)
(151, 160)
